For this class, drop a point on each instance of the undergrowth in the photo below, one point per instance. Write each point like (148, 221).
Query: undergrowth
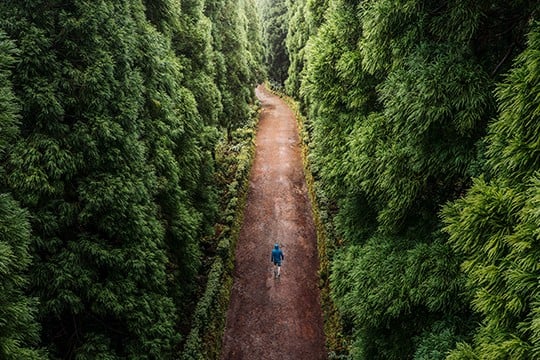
(233, 161)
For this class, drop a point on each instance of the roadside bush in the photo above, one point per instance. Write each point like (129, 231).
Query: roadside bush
(233, 165)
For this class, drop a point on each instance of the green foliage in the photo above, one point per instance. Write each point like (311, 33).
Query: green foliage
(274, 16)
(305, 17)
(189, 30)
(399, 95)
(334, 75)
(19, 330)
(255, 44)
(297, 36)
(389, 283)
(83, 171)
(316, 10)
(173, 134)
(513, 152)
(206, 307)
(9, 106)
(437, 342)
(233, 162)
(495, 226)
(236, 61)
(429, 126)
(120, 103)
(492, 30)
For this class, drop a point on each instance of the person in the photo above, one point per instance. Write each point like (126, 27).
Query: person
(277, 257)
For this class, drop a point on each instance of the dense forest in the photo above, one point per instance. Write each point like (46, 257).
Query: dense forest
(111, 117)
(424, 125)
(123, 148)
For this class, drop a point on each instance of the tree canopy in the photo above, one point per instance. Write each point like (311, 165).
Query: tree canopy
(112, 112)
(19, 331)
(400, 99)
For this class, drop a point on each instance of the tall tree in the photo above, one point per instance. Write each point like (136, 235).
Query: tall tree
(189, 30)
(19, 330)
(254, 41)
(120, 106)
(399, 95)
(496, 225)
(182, 106)
(305, 17)
(275, 23)
(235, 76)
(296, 40)
(81, 168)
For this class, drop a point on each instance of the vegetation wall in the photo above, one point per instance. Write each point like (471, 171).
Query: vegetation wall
(19, 332)
(414, 107)
(274, 18)
(111, 115)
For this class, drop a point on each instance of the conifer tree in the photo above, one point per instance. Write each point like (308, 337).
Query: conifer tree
(19, 330)
(316, 12)
(234, 76)
(496, 225)
(305, 17)
(297, 37)
(189, 30)
(172, 129)
(184, 101)
(399, 95)
(119, 106)
(275, 22)
(340, 95)
(254, 41)
(81, 169)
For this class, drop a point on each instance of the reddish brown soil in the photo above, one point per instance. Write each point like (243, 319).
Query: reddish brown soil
(276, 318)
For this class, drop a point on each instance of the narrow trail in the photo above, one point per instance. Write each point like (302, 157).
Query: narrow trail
(275, 318)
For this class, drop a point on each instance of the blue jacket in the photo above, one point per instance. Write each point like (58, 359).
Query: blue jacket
(277, 254)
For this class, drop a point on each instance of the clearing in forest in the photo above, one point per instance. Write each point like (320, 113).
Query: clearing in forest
(276, 318)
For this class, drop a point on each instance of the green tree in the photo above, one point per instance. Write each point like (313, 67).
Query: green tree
(399, 95)
(496, 225)
(120, 107)
(173, 132)
(81, 169)
(188, 29)
(305, 17)
(183, 103)
(296, 40)
(233, 60)
(19, 330)
(275, 21)
(254, 41)
(184, 106)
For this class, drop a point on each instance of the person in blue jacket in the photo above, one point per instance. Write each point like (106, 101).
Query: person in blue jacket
(277, 257)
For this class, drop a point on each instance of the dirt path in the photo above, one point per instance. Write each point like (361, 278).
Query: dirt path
(276, 318)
